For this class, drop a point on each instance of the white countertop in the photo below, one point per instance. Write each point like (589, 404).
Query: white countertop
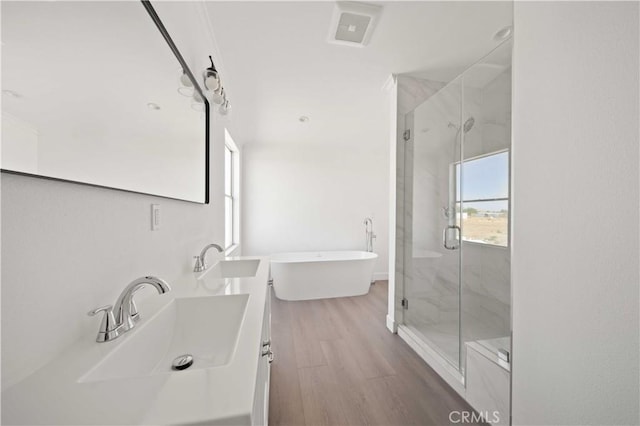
(217, 395)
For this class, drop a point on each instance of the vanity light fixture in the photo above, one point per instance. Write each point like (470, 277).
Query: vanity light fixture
(213, 90)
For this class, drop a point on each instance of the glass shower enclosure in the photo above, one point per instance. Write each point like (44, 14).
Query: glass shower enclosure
(456, 211)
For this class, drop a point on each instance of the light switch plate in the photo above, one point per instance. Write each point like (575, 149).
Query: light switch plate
(155, 217)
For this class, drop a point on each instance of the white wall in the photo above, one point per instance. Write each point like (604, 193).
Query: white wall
(68, 248)
(311, 197)
(19, 145)
(575, 223)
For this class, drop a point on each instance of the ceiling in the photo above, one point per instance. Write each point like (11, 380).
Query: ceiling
(278, 64)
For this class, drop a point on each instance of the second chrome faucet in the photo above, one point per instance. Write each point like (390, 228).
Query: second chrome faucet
(201, 264)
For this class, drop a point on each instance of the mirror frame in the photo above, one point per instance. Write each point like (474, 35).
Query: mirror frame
(165, 34)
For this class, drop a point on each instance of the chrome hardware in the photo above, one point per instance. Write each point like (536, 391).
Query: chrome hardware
(404, 304)
(125, 309)
(198, 265)
(270, 282)
(124, 315)
(182, 362)
(109, 329)
(445, 237)
(266, 351)
(201, 264)
(133, 311)
(406, 135)
(447, 212)
(369, 234)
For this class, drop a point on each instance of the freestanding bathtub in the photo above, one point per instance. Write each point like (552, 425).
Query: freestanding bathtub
(321, 275)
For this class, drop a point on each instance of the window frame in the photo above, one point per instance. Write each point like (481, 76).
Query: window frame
(459, 201)
(233, 195)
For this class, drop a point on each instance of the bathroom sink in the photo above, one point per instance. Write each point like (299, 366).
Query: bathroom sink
(234, 268)
(206, 328)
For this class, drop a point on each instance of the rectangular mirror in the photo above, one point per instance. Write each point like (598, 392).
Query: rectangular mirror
(90, 95)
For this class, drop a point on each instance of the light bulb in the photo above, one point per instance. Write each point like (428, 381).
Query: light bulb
(218, 96)
(211, 83)
(211, 80)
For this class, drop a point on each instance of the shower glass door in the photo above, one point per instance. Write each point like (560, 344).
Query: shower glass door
(456, 212)
(483, 199)
(432, 255)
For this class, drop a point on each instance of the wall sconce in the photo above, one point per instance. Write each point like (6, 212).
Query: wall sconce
(213, 85)
(213, 90)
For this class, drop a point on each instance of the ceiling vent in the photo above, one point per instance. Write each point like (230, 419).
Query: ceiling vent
(353, 23)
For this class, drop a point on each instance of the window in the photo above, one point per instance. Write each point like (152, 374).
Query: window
(485, 199)
(231, 193)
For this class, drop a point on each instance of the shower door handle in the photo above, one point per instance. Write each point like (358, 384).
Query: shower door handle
(445, 237)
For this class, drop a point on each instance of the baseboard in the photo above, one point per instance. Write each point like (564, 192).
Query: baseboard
(391, 325)
(380, 276)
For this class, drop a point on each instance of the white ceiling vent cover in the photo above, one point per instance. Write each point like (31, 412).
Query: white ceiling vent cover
(352, 23)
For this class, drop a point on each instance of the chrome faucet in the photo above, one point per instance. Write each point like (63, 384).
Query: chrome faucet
(370, 236)
(201, 265)
(124, 316)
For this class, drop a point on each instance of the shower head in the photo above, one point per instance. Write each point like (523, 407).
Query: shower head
(468, 125)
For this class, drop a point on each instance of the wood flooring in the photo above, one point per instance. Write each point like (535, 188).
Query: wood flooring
(337, 364)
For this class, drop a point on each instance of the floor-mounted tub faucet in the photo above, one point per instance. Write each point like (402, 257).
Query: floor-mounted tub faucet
(201, 265)
(124, 315)
(369, 235)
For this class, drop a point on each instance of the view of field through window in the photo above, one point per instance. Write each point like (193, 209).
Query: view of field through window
(484, 205)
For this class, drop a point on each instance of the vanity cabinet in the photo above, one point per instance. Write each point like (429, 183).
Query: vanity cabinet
(260, 415)
(221, 317)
